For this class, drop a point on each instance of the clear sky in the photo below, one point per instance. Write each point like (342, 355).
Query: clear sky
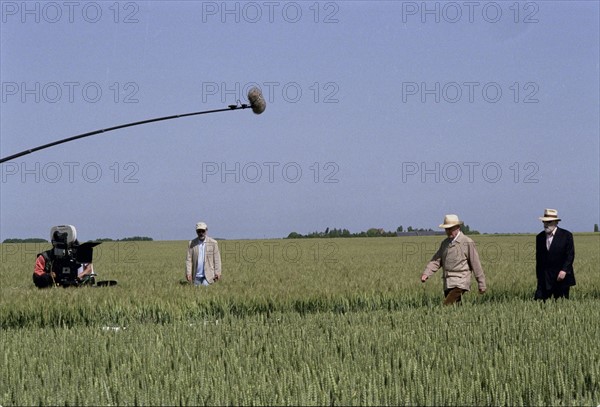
(379, 114)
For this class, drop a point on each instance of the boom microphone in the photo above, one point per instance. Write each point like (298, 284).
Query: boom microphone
(255, 97)
(257, 102)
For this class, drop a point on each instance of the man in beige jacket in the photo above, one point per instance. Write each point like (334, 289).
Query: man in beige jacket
(458, 257)
(203, 262)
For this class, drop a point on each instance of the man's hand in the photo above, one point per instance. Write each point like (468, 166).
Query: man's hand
(481, 290)
(423, 278)
(188, 277)
(217, 277)
(561, 275)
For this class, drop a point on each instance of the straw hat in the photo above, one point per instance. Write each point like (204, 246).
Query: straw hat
(451, 221)
(550, 215)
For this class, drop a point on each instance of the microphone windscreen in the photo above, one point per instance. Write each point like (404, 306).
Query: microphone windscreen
(257, 102)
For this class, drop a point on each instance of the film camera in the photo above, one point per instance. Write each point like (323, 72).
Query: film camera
(69, 255)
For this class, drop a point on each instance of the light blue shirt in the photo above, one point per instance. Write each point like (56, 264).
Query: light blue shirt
(200, 269)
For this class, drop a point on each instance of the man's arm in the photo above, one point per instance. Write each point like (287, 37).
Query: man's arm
(217, 259)
(434, 264)
(40, 264)
(476, 266)
(569, 248)
(188, 262)
(86, 269)
(540, 246)
(570, 253)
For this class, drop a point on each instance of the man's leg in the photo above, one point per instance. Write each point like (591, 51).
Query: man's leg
(541, 293)
(43, 281)
(453, 295)
(561, 291)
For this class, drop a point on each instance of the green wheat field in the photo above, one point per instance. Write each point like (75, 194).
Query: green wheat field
(300, 322)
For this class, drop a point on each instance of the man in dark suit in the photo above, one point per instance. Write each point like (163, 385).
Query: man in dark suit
(554, 255)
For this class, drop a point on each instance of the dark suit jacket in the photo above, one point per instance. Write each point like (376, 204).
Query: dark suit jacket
(560, 257)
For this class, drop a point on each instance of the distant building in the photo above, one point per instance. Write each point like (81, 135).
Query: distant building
(422, 233)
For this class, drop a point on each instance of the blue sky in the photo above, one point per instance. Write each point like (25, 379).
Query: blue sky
(379, 114)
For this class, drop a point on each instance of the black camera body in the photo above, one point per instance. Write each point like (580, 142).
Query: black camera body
(68, 255)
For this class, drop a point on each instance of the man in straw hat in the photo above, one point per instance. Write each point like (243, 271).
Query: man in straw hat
(458, 257)
(203, 261)
(554, 255)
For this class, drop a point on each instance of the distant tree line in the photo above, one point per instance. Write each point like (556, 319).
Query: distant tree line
(331, 233)
(127, 239)
(372, 232)
(28, 240)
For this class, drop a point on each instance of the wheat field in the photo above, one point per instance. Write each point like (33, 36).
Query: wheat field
(300, 322)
